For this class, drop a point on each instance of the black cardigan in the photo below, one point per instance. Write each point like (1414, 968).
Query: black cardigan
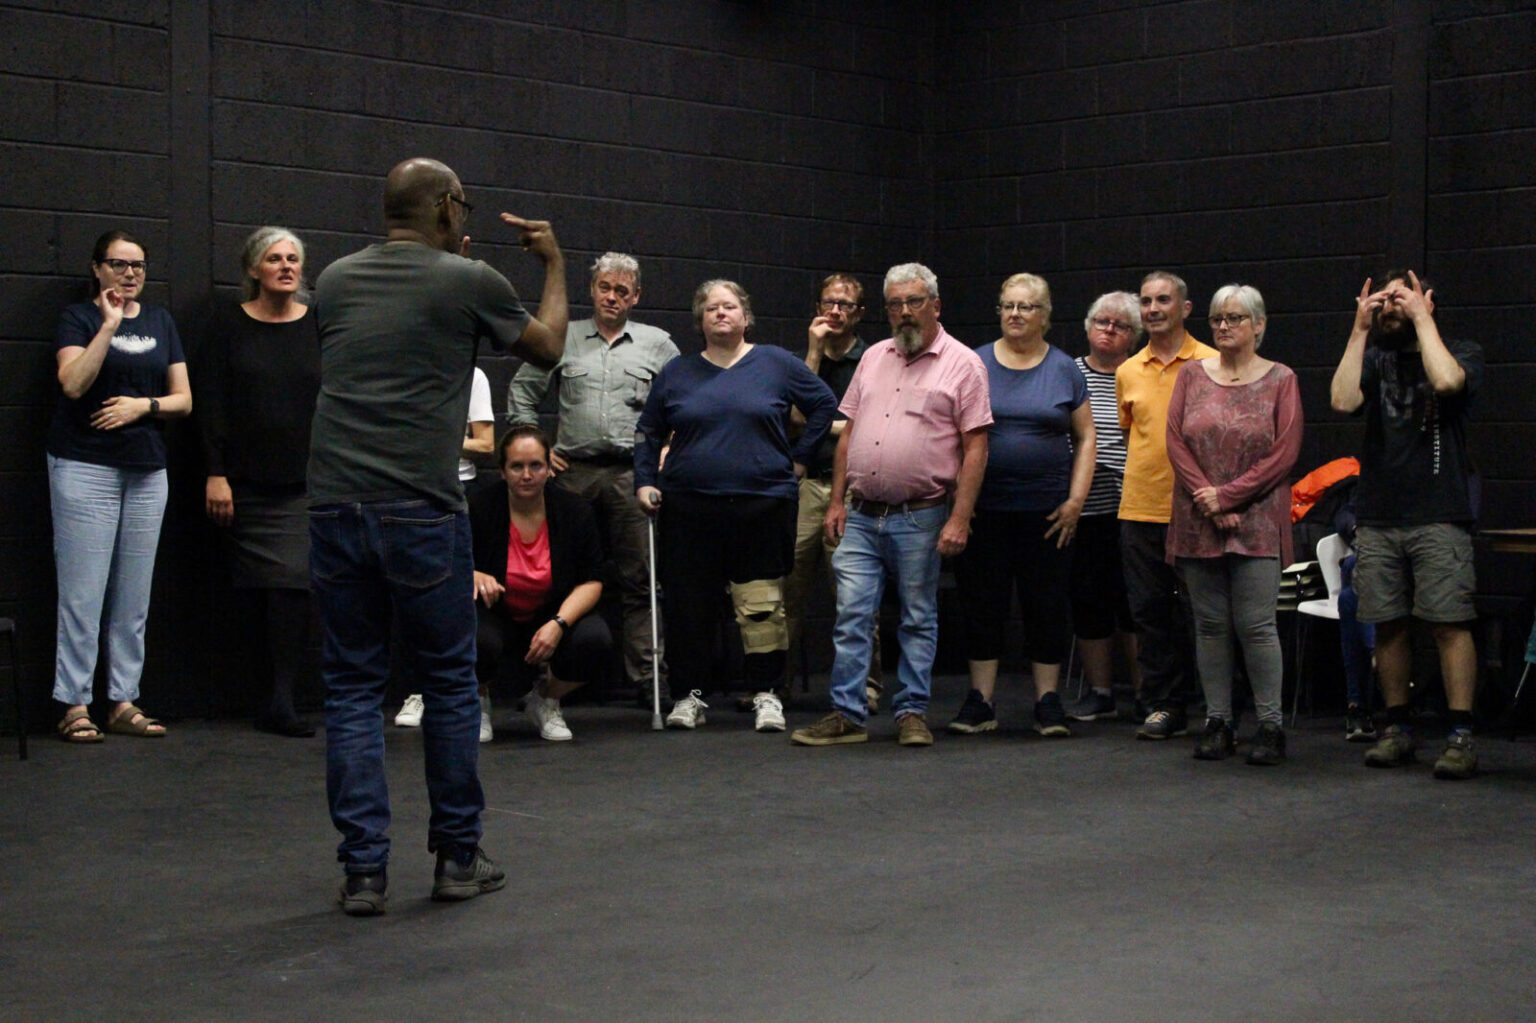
(574, 551)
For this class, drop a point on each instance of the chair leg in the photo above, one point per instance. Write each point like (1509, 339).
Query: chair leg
(21, 709)
(1300, 649)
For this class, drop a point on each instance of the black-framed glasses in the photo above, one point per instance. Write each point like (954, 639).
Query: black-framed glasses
(468, 207)
(911, 305)
(1009, 308)
(1230, 319)
(122, 266)
(1105, 323)
(828, 304)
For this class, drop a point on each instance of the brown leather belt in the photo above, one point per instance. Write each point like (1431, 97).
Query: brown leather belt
(880, 509)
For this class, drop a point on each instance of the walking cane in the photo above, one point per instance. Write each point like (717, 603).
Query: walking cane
(656, 725)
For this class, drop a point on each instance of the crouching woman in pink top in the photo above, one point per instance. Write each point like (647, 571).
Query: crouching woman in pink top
(1234, 431)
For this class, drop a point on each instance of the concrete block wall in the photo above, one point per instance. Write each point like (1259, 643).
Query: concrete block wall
(1297, 147)
(1294, 145)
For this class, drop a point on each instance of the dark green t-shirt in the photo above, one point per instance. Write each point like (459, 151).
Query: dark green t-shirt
(399, 326)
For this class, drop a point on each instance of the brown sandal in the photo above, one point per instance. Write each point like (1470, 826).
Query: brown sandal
(133, 721)
(77, 726)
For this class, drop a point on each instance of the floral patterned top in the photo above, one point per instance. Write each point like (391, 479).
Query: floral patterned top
(1243, 440)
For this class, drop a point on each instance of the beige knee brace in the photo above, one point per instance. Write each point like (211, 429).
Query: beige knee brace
(760, 615)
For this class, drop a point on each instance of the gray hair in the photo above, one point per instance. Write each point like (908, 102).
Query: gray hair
(1171, 278)
(256, 246)
(701, 296)
(1247, 296)
(1122, 303)
(617, 263)
(906, 272)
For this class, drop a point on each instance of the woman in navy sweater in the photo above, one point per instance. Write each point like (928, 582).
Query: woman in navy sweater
(730, 481)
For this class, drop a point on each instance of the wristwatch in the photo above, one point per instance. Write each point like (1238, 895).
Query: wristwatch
(565, 626)
(154, 406)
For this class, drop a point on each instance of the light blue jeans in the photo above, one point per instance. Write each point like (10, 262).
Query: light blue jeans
(106, 527)
(905, 545)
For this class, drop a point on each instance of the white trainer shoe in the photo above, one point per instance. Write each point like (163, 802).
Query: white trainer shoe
(546, 717)
(687, 712)
(486, 735)
(769, 711)
(410, 712)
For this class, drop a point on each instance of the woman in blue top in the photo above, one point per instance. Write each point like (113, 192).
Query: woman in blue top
(730, 482)
(122, 372)
(1040, 455)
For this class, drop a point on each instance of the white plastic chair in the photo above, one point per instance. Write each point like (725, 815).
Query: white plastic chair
(1331, 552)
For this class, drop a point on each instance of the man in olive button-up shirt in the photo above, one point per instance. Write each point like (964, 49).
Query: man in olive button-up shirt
(603, 380)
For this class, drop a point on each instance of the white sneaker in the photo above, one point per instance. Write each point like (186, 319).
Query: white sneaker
(410, 712)
(769, 711)
(687, 712)
(486, 735)
(546, 717)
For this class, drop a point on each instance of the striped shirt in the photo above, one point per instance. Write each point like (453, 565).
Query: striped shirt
(1109, 465)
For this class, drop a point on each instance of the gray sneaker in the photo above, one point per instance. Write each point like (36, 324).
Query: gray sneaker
(1395, 747)
(1093, 707)
(1164, 724)
(1458, 760)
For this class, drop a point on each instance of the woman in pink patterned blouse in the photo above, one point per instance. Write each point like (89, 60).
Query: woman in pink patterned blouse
(1234, 431)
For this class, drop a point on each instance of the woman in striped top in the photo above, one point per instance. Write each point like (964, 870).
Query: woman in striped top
(1099, 609)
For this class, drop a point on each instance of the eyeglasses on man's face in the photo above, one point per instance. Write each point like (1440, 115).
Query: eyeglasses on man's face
(826, 305)
(450, 197)
(894, 306)
(1229, 320)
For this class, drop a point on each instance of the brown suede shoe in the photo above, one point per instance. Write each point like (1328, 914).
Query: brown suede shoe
(829, 731)
(912, 730)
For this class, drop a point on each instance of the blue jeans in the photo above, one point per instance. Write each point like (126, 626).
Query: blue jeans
(407, 562)
(106, 527)
(905, 544)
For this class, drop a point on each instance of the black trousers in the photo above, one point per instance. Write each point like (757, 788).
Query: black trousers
(1160, 609)
(580, 657)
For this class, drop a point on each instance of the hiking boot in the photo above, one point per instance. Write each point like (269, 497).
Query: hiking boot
(1458, 760)
(769, 713)
(454, 881)
(1268, 745)
(976, 715)
(1093, 706)
(687, 712)
(363, 894)
(912, 730)
(1395, 747)
(1358, 726)
(1164, 724)
(1217, 741)
(1051, 717)
(410, 712)
(831, 730)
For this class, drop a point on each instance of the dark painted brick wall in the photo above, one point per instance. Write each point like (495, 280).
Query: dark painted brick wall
(1087, 140)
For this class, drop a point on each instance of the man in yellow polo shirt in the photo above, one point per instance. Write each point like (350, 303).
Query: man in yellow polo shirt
(1159, 607)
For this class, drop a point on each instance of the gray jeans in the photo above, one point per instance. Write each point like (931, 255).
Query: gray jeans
(1235, 595)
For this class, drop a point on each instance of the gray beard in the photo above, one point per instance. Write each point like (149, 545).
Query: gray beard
(909, 339)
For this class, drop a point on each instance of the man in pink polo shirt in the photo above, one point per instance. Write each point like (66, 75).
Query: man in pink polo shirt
(904, 482)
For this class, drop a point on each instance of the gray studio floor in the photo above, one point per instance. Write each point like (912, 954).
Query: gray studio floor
(725, 875)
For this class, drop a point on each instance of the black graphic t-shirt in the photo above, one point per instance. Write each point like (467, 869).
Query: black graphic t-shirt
(1414, 467)
(141, 352)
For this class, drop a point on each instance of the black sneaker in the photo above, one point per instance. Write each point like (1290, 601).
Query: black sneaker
(1268, 745)
(455, 882)
(1217, 741)
(1051, 717)
(363, 894)
(1094, 706)
(976, 715)
(1358, 725)
(1164, 724)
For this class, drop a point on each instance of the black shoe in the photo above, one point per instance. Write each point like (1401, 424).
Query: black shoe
(1268, 745)
(455, 882)
(976, 715)
(292, 728)
(1051, 717)
(363, 894)
(1217, 741)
